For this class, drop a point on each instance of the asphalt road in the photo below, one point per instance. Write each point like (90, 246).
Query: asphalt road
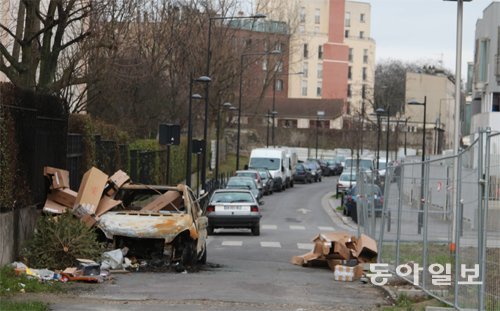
(245, 272)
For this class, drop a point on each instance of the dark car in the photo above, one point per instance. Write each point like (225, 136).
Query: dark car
(303, 173)
(352, 198)
(267, 180)
(315, 170)
(335, 167)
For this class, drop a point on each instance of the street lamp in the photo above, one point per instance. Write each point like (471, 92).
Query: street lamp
(274, 52)
(209, 54)
(319, 115)
(274, 99)
(406, 130)
(217, 139)
(269, 115)
(202, 79)
(420, 215)
(381, 111)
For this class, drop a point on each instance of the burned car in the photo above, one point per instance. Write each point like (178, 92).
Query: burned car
(155, 221)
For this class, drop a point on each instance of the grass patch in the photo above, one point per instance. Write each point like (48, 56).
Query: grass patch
(228, 166)
(10, 283)
(340, 208)
(22, 306)
(412, 252)
(405, 303)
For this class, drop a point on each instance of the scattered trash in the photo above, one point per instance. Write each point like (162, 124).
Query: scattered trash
(344, 254)
(113, 260)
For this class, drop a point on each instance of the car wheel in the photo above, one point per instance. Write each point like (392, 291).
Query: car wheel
(320, 179)
(189, 255)
(344, 211)
(202, 258)
(291, 184)
(256, 230)
(354, 213)
(210, 230)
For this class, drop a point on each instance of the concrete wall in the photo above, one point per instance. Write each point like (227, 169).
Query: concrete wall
(15, 228)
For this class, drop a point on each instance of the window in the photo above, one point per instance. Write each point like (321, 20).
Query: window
(278, 46)
(362, 17)
(347, 19)
(363, 92)
(302, 15)
(349, 91)
(364, 73)
(320, 52)
(320, 71)
(361, 34)
(349, 72)
(317, 16)
(304, 87)
(346, 34)
(305, 69)
(350, 54)
(279, 85)
(264, 64)
(279, 66)
(318, 89)
(483, 60)
(306, 51)
(365, 56)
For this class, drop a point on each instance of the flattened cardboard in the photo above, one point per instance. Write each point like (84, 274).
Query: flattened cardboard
(53, 207)
(347, 274)
(332, 263)
(59, 177)
(88, 220)
(105, 204)
(90, 192)
(334, 244)
(366, 249)
(163, 200)
(297, 260)
(63, 196)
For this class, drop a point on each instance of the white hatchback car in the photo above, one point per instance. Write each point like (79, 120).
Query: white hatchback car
(346, 181)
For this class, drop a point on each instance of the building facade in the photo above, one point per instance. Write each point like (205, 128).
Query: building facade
(485, 108)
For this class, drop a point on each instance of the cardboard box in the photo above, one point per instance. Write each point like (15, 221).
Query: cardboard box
(334, 244)
(59, 177)
(105, 204)
(90, 192)
(88, 220)
(63, 196)
(366, 249)
(53, 207)
(347, 274)
(163, 201)
(118, 179)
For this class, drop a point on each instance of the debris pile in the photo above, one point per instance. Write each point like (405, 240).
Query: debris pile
(343, 253)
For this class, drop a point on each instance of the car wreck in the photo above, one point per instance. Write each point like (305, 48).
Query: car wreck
(157, 220)
(152, 221)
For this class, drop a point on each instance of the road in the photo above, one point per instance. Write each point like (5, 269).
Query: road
(245, 272)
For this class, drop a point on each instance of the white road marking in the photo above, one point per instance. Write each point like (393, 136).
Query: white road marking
(270, 244)
(232, 243)
(308, 246)
(268, 227)
(326, 228)
(303, 210)
(292, 227)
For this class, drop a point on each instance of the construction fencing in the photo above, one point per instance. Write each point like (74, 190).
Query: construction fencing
(443, 236)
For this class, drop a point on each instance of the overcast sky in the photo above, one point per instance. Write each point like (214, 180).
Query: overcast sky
(416, 30)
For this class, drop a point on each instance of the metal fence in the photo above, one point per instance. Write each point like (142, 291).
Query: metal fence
(440, 235)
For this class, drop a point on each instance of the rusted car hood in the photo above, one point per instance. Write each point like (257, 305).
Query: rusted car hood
(136, 224)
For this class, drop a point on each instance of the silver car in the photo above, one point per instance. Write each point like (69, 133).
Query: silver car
(233, 208)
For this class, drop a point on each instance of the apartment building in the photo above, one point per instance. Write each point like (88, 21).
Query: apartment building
(485, 108)
(361, 57)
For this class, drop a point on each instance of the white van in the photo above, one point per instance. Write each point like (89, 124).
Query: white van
(292, 160)
(276, 161)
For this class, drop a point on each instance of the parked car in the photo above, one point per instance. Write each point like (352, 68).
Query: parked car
(233, 208)
(352, 198)
(157, 220)
(303, 173)
(315, 170)
(346, 181)
(267, 180)
(335, 167)
(253, 174)
(247, 183)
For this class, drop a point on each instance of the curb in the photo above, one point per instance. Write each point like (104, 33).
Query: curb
(336, 217)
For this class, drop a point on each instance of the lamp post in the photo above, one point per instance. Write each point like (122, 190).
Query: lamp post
(420, 215)
(238, 135)
(217, 139)
(269, 115)
(209, 56)
(274, 100)
(381, 111)
(378, 140)
(406, 130)
(319, 115)
(202, 79)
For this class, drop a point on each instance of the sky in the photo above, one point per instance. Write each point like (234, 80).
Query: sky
(419, 30)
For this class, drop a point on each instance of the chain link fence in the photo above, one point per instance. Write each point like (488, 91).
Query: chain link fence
(439, 232)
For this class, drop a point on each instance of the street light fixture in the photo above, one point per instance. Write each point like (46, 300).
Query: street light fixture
(274, 52)
(274, 99)
(209, 56)
(420, 215)
(381, 111)
(202, 79)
